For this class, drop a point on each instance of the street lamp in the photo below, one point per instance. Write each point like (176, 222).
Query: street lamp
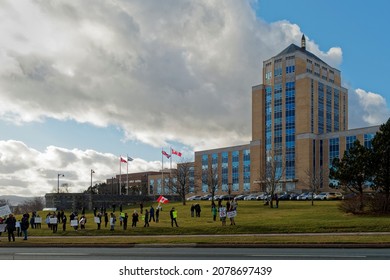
(58, 181)
(91, 180)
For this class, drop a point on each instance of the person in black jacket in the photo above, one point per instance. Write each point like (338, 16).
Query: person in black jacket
(24, 224)
(11, 227)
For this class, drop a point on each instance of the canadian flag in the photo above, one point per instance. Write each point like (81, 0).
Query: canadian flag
(123, 160)
(173, 152)
(162, 199)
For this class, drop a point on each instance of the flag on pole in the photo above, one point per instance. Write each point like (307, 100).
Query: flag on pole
(173, 152)
(123, 160)
(129, 158)
(162, 199)
(166, 154)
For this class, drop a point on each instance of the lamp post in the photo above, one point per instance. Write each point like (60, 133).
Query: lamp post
(58, 181)
(91, 180)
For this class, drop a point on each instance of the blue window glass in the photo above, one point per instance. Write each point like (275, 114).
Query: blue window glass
(235, 171)
(328, 109)
(368, 140)
(151, 186)
(336, 108)
(334, 149)
(225, 170)
(320, 108)
(349, 142)
(247, 169)
(205, 168)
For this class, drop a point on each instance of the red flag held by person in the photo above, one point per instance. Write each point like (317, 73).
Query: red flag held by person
(162, 199)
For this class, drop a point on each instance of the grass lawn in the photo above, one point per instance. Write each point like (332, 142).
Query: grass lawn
(252, 218)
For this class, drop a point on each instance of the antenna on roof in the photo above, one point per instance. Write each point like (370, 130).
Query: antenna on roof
(303, 42)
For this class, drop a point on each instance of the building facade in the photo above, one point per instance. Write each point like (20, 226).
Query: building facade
(299, 122)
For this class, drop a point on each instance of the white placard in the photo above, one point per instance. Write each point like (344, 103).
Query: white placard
(2, 227)
(222, 212)
(97, 220)
(4, 211)
(74, 223)
(53, 220)
(231, 214)
(38, 220)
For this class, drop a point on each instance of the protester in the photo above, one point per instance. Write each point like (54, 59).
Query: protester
(146, 218)
(222, 215)
(125, 219)
(151, 214)
(64, 222)
(214, 212)
(157, 214)
(24, 225)
(134, 219)
(173, 215)
(112, 221)
(11, 227)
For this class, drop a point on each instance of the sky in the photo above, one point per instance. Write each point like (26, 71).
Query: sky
(85, 82)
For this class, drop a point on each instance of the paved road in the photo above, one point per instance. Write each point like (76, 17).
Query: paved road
(158, 253)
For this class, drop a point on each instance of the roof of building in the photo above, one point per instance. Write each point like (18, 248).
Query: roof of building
(294, 48)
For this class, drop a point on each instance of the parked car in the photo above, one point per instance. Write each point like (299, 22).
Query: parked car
(293, 196)
(284, 196)
(206, 197)
(194, 197)
(335, 195)
(226, 197)
(216, 197)
(250, 197)
(306, 196)
(321, 196)
(240, 197)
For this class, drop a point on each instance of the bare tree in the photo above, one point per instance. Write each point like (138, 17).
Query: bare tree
(182, 180)
(272, 175)
(30, 205)
(313, 181)
(210, 178)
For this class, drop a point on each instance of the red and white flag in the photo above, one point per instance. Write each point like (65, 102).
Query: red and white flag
(162, 199)
(173, 152)
(166, 154)
(123, 160)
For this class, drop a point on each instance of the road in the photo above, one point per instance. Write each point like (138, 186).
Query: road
(180, 253)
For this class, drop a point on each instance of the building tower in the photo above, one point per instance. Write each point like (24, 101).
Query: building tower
(300, 100)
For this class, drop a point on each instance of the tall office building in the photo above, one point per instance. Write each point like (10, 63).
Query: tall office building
(299, 121)
(300, 99)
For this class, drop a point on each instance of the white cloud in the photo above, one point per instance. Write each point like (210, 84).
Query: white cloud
(28, 172)
(367, 108)
(161, 70)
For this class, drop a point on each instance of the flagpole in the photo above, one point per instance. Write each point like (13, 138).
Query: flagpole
(162, 170)
(127, 175)
(120, 174)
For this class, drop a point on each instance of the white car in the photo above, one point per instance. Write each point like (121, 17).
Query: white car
(194, 197)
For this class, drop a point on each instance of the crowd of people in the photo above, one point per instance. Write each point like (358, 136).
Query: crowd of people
(103, 218)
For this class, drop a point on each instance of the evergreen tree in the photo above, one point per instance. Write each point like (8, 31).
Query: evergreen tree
(354, 170)
(381, 161)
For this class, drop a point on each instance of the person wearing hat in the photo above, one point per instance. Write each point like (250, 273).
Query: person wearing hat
(173, 214)
(11, 227)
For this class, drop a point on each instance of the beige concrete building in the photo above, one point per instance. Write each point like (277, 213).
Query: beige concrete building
(299, 122)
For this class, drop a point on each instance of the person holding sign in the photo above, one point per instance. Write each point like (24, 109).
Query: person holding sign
(173, 214)
(222, 215)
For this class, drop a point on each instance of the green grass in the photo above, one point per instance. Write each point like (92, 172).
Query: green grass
(252, 218)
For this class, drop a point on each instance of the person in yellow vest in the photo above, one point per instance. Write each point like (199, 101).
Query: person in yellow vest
(173, 214)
